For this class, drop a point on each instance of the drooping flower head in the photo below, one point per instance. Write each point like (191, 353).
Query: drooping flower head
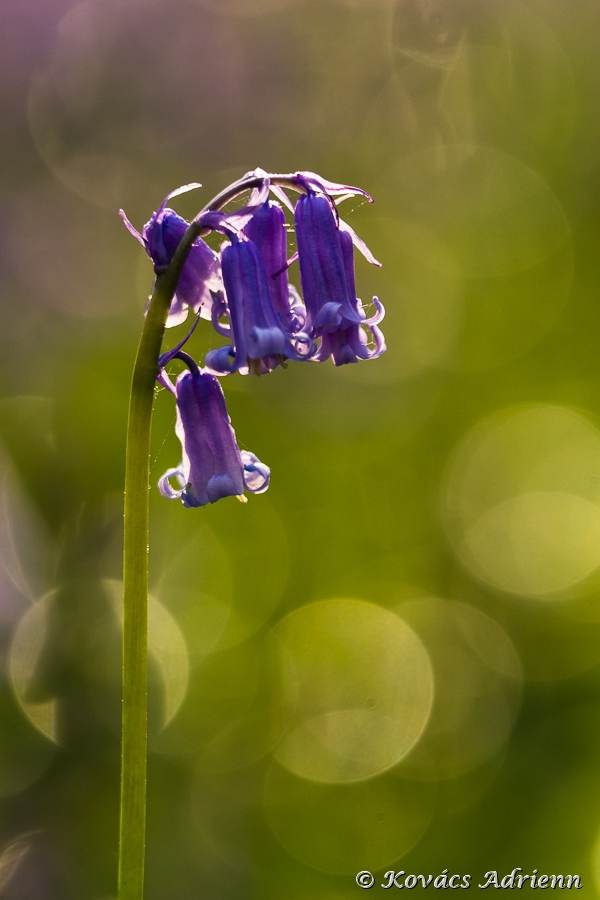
(331, 311)
(267, 322)
(212, 464)
(245, 290)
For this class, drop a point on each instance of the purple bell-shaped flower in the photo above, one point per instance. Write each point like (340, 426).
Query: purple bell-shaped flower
(201, 273)
(350, 342)
(326, 259)
(267, 230)
(212, 464)
(260, 340)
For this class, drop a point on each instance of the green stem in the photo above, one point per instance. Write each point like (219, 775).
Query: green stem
(132, 832)
(135, 601)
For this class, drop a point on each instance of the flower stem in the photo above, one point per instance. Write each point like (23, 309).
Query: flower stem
(135, 600)
(132, 831)
(134, 737)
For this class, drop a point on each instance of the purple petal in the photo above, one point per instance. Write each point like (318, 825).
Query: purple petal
(297, 309)
(329, 317)
(221, 361)
(180, 190)
(163, 378)
(165, 487)
(178, 312)
(131, 229)
(265, 342)
(219, 309)
(282, 196)
(256, 474)
(220, 486)
(380, 345)
(358, 243)
(379, 313)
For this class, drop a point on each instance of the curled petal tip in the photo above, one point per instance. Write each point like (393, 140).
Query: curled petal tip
(379, 313)
(165, 487)
(257, 475)
(220, 361)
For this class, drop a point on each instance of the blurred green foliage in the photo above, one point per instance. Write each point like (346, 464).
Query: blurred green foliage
(450, 488)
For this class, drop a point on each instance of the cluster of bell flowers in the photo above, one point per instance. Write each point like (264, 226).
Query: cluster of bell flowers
(244, 291)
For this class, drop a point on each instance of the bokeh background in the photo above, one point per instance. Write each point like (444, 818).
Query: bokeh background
(392, 659)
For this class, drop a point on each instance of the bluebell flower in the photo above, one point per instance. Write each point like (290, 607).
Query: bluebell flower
(201, 273)
(212, 464)
(267, 229)
(321, 265)
(349, 342)
(336, 193)
(260, 339)
(326, 259)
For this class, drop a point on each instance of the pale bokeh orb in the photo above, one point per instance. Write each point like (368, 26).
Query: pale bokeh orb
(344, 828)
(521, 500)
(478, 679)
(365, 689)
